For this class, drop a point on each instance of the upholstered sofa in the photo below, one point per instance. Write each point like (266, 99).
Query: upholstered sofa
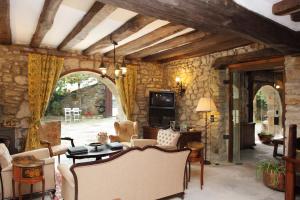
(137, 173)
(6, 171)
(166, 139)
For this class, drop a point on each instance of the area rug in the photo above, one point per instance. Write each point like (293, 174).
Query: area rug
(58, 180)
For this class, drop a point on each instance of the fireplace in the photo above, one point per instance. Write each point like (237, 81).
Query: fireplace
(8, 137)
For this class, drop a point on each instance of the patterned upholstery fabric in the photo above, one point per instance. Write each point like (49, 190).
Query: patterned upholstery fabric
(51, 132)
(5, 157)
(167, 137)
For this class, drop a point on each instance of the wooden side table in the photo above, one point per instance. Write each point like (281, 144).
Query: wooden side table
(28, 170)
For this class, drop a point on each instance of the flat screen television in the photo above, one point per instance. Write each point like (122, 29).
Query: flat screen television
(165, 99)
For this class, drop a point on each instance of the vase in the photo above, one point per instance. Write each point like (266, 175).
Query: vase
(274, 181)
(102, 138)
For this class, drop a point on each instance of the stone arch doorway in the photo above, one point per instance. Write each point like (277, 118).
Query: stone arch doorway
(107, 81)
(267, 106)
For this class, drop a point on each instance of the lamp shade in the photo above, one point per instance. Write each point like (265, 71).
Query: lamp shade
(206, 105)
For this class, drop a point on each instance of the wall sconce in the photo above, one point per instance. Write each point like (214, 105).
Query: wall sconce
(103, 69)
(180, 88)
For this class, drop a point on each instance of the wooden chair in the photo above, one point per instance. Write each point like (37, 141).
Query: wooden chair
(50, 137)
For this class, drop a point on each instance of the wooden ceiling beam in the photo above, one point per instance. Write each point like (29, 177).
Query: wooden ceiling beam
(295, 16)
(45, 22)
(96, 14)
(286, 7)
(214, 48)
(203, 43)
(265, 64)
(5, 30)
(223, 62)
(174, 42)
(215, 15)
(147, 39)
(130, 27)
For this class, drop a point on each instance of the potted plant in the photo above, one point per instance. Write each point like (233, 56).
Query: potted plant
(273, 174)
(265, 137)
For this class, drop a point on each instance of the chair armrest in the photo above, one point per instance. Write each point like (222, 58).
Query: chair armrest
(134, 137)
(38, 153)
(69, 139)
(7, 169)
(66, 173)
(48, 145)
(114, 138)
(143, 142)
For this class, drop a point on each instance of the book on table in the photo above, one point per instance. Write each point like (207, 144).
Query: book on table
(77, 150)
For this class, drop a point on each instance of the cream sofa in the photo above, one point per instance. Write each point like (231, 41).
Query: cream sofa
(137, 173)
(6, 171)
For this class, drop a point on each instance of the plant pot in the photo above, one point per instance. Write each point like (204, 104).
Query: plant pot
(266, 139)
(274, 181)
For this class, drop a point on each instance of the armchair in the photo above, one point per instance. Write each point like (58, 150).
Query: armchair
(166, 139)
(50, 133)
(6, 171)
(126, 131)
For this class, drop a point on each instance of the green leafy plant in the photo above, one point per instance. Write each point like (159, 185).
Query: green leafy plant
(274, 167)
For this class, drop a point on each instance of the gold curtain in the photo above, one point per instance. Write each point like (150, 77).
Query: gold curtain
(127, 90)
(43, 74)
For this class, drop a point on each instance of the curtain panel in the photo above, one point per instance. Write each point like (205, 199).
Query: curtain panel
(126, 87)
(43, 74)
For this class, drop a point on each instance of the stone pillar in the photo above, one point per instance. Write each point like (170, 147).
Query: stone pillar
(292, 93)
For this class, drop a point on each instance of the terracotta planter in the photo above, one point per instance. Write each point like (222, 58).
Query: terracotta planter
(266, 139)
(269, 181)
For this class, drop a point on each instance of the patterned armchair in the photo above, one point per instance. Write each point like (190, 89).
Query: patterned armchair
(50, 133)
(125, 132)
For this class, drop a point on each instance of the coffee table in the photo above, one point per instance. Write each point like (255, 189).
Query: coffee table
(98, 154)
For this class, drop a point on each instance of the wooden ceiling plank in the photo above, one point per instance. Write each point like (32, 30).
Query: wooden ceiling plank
(197, 13)
(214, 48)
(5, 30)
(174, 42)
(295, 16)
(96, 14)
(147, 39)
(285, 7)
(130, 27)
(203, 43)
(223, 62)
(45, 22)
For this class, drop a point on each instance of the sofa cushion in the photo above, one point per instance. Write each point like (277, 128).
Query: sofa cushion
(5, 157)
(167, 137)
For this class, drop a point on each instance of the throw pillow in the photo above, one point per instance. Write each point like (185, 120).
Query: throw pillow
(167, 137)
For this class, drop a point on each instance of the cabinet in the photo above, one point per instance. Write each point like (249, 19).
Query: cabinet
(247, 131)
(150, 132)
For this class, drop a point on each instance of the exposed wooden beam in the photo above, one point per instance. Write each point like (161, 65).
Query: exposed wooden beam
(130, 27)
(147, 39)
(221, 46)
(285, 7)
(198, 45)
(295, 16)
(223, 62)
(174, 42)
(96, 14)
(218, 15)
(5, 31)
(265, 64)
(45, 21)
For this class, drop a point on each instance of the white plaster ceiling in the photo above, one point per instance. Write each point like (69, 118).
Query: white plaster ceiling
(264, 7)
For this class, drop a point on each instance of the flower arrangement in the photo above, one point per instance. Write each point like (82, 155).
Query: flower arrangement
(102, 137)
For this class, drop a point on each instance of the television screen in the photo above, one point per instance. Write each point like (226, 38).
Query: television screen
(162, 99)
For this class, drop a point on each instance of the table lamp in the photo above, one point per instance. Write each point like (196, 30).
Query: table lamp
(205, 105)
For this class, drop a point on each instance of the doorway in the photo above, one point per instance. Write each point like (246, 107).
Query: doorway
(256, 105)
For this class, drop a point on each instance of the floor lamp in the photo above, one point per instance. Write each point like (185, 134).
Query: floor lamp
(205, 105)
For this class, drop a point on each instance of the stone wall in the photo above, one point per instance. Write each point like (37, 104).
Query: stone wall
(201, 80)
(14, 86)
(292, 92)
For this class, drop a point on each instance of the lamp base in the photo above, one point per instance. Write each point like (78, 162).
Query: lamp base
(207, 162)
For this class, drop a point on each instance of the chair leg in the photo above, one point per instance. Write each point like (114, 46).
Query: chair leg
(58, 157)
(189, 171)
(202, 171)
